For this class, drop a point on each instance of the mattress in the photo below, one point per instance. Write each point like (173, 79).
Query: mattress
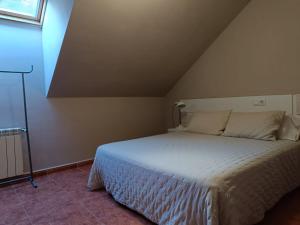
(183, 178)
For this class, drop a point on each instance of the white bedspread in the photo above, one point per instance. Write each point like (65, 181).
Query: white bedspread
(191, 179)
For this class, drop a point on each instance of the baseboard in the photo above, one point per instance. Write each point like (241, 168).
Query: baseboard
(50, 170)
(43, 172)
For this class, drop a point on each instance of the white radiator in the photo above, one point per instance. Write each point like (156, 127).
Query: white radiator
(11, 153)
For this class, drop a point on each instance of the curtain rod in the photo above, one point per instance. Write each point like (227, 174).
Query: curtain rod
(18, 72)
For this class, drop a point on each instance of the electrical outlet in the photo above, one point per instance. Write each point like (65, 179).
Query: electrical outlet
(259, 102)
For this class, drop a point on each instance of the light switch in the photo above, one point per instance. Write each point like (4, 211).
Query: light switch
(260, 101)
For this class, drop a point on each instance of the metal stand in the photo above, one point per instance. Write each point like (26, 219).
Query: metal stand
(26, 130)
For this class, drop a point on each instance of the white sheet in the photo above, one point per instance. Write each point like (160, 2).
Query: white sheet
(192, 179)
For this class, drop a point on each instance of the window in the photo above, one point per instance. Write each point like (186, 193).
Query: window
(23, 10)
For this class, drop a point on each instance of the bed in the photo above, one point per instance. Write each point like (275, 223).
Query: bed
(183, 178)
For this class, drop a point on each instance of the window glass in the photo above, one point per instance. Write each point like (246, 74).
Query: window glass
(26, 9)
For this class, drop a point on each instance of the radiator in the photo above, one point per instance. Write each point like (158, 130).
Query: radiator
(11, 153)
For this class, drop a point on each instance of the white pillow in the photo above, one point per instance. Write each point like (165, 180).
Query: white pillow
(208, 122)
(256, 125)
(296, 121)
(288, 129)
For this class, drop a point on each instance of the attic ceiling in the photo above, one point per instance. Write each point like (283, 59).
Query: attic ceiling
(136, 47)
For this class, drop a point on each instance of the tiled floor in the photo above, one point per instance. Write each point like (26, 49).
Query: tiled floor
(62, 199)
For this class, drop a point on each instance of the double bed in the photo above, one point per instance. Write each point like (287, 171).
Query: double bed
(183, 178)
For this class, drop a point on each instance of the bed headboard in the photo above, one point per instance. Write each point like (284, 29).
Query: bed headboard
(243, 104)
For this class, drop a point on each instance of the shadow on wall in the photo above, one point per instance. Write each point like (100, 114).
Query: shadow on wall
(57, 15)
(257, 54)
(66, 130)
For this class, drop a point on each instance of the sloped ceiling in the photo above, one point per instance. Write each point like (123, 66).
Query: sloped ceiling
(136, 47)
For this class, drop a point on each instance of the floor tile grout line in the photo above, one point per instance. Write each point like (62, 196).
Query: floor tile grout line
(82, 204)
(27, 215)
(18, 196)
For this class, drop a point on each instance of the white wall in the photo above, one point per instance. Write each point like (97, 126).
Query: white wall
(55, 24)
(20, 47)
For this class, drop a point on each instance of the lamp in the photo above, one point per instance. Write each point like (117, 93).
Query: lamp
(180, 105)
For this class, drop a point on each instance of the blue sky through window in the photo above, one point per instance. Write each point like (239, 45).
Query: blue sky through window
(23, 7)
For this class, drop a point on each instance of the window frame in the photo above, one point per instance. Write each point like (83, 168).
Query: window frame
(24, 18)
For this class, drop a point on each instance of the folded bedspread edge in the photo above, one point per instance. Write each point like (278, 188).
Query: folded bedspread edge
(163, 198)
(239, 198)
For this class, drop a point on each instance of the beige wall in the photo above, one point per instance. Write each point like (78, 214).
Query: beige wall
(65, 130)
(258, 54)
(135, 47)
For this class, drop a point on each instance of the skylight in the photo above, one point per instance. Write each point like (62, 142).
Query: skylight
(22, 10)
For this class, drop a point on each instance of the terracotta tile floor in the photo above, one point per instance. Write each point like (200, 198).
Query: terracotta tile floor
(62, 199)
